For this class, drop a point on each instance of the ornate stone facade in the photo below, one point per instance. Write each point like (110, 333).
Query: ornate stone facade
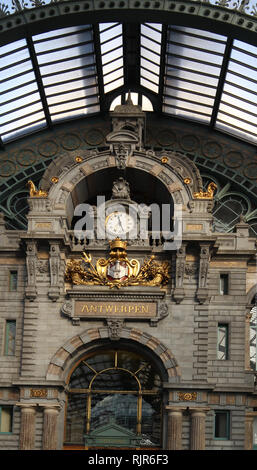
(59, 322)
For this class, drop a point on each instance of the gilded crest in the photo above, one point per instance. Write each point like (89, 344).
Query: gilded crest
(117, 271)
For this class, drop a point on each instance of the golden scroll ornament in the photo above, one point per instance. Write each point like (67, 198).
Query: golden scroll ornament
(117, 271)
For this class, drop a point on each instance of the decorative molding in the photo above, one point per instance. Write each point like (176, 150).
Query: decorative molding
(187, 396)
(54, 265)
(31, 264)
(38, 393)
(204, 261)
(179, 292)
(61, 360)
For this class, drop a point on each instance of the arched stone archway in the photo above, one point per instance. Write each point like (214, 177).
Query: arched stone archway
(69, 352)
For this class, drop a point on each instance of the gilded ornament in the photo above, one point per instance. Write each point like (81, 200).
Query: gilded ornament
(164, 159)
(78, 159)
(54, 179)
(38, 393)
(33, 192)
(206, 194)
(187, 396)
(117, 271)
(187, 180)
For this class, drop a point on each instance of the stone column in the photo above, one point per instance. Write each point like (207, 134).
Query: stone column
(174, 441)
(197, 437)
(50, 427)
(27, 429)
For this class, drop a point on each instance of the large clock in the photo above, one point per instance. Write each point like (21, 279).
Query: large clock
(119, 224)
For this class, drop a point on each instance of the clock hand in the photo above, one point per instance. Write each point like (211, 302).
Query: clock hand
(120, 224)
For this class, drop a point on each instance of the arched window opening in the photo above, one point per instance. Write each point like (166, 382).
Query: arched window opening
(137, 99)
(114, 390)
(227, 212)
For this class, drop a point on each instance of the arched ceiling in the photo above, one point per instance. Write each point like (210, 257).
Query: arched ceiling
(66, 60)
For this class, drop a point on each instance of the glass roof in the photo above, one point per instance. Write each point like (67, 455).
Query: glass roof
(193, 67)
(69, 72)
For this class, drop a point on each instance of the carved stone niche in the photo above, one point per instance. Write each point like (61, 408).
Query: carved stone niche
(147, 304)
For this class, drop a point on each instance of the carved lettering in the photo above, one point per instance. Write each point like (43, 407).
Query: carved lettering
(129, 309)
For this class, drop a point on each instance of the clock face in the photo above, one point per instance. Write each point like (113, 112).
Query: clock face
(119, 223)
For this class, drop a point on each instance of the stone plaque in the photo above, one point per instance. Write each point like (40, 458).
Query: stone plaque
(115, 309)
(194, 227)
(43, 225)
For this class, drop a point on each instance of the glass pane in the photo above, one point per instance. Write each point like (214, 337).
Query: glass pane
(115, 380)
(186, 113)
(238, 110)
(222, 342)
(221, 425)
(59, 32)
(224, 284)
(21, 103)
(10, 335)
(118, 408)
(111, 41)
(150, 31)
(149, 85)
(13, 280)
(81, 377)
(18, 132)
(76, 418)
(253, 343)
(193, 66)
(6, 419)
(110, 363)
(115, 84)
(151, 420)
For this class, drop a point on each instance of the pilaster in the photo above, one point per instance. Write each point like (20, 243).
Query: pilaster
(174, 441)
(51, 413)
(27, 428)
(54, 265)
(197, 435)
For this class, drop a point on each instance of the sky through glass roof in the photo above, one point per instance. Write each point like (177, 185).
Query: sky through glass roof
(67, 72)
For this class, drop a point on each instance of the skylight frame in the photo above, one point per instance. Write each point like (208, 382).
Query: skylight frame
(191, 96)
(18, 122)
(151, 45)
(111, 50)
(242, 76)
(78, 93)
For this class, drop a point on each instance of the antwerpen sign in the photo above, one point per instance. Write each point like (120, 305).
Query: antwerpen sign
(120, 309)
(152, 307)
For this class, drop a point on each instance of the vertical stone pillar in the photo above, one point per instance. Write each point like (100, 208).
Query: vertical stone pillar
(174, 441)
(50, 427)
(27, 429)
(249, 417)
(197, 437)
